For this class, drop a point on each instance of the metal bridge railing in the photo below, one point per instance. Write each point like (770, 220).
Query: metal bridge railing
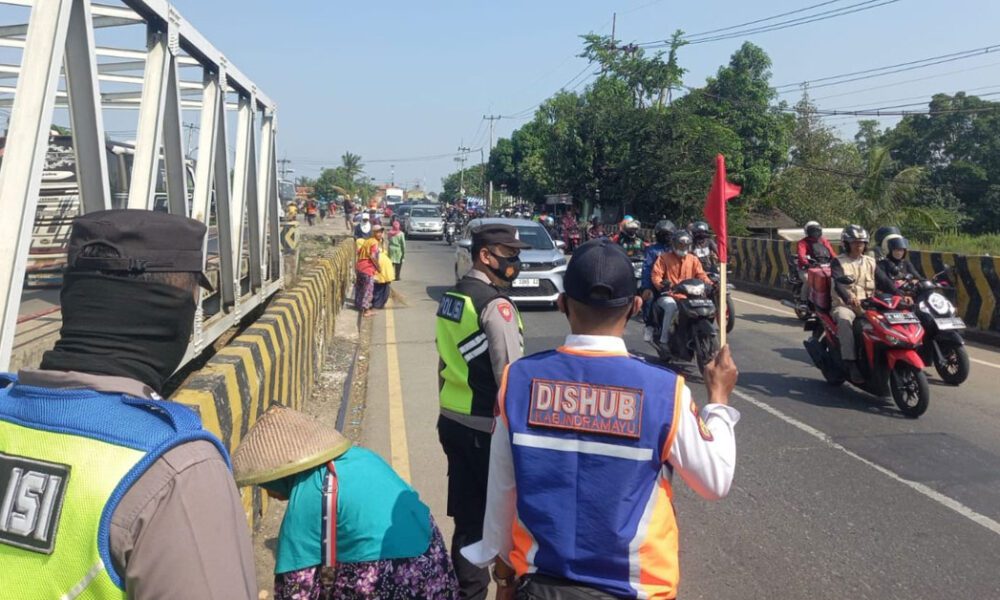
(60, 69)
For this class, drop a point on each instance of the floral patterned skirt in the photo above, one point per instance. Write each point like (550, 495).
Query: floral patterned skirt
(429, 576)
(364, 288)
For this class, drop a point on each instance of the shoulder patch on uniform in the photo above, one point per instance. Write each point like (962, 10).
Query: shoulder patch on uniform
(506, 311)
(451, 308)
(31, 498)
(706, 433)
(586, 408)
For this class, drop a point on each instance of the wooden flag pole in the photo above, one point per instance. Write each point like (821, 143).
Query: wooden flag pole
(723, 304)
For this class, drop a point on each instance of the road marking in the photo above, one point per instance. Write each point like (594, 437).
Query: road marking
(788, 312)
(920, 488)
(398, 448)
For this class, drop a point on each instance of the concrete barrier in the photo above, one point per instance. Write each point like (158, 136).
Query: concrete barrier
(274, 360)
(977, 278)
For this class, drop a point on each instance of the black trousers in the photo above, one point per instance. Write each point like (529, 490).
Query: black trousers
(399, 269)
(543, 587)
(468, 453)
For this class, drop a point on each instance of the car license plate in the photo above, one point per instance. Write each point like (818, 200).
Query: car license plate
(949, 323)
(521, 283)
(901, 318)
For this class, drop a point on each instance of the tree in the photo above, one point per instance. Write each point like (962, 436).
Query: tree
(472, 179)
(352, 167)
(884, 200)
(650, 80)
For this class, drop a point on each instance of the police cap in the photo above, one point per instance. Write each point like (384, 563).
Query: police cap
(497, 234)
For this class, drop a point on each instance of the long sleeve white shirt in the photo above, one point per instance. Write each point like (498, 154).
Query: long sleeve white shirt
(704, 459)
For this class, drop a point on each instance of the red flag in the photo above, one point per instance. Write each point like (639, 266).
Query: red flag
(715, 205)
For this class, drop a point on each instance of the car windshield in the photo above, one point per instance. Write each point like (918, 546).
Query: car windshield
(536, 236)
(425, 213)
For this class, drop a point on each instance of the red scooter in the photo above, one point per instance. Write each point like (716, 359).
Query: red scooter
(888, 336)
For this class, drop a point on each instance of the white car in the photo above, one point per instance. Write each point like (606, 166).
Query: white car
(424, 220)
(542, 266)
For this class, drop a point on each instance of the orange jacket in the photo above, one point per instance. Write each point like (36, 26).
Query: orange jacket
(670, 269)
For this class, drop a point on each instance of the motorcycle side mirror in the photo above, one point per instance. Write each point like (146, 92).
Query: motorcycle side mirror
(845, 280)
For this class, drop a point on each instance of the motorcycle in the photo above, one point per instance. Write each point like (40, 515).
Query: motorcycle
(943, 344)
(888, 358)
(449, 232)
(695, 334)
(571, 236)
(803, 310)
(713, 274)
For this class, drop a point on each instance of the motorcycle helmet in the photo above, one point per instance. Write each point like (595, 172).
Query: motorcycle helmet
(894, 242)
(595, 220)
(663, 230)
(884, 232)
(549, 221)
(700, 230)
(632, 227)
(853, 233)
(813, 230)
(681, 242)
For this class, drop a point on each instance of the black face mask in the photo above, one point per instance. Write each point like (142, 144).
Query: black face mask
(508, 268)
(122, 327)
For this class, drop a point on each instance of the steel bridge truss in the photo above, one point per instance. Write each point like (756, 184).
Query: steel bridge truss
(237, 199)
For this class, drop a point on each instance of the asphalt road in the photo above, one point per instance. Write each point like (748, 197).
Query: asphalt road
(836, 494)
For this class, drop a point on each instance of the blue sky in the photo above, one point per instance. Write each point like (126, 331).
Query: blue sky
(394, 79)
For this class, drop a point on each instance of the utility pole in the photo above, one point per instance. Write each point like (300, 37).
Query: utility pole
(393, 175)
(460, 159)
(283, 167)
(614, 22)
(191, 128)
(492, 119)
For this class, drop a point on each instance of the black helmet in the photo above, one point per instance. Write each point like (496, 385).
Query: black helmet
(853, 233)
(700, 229)
(663, 230)
(896, 242)
(681, 242)
(883, 232)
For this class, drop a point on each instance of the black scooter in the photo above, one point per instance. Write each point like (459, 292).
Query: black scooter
(695, 334)
(943, 343)
(449, 232)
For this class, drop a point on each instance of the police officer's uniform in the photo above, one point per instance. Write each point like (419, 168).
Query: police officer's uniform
(586, 444)
(479, 332)
(98, 473)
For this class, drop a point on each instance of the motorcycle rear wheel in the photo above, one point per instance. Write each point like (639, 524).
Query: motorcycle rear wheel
(910, 390)
(955, 369)
(706, 350)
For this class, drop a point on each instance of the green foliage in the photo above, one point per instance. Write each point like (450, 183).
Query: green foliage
(472, 180)
(346, 179)
(961, 243)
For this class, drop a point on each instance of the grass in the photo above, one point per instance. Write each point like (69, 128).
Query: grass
(961, 243)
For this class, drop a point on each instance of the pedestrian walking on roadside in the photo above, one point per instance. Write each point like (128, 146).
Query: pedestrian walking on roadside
(363, 229)
(99, 472)
(383, 279)
(587, 440)
(397, 248)
(349, 210)
(324, 206)
(479, 333)
(365, 269)
(352, 529)
(312, 211)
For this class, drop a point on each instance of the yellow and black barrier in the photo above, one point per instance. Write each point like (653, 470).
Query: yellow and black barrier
(275, 360)
(976, 278)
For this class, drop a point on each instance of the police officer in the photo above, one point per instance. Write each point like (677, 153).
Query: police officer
(586, 442)
(106, 489)
(478, 334)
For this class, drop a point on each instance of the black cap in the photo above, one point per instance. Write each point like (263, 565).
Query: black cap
(147, 242)
(497, 234)
(600, 274)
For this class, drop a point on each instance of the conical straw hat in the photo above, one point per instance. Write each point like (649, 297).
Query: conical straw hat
(283, 442)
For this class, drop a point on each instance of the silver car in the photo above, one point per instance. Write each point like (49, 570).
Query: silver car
(424, 220)
(542, 266)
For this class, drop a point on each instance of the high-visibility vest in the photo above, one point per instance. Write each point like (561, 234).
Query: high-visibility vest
(67, 457)
(590, 436)
(468, 385)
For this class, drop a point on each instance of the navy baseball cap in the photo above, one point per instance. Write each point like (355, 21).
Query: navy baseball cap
(600, 274)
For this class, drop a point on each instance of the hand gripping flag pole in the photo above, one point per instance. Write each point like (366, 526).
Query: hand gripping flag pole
(715, 213)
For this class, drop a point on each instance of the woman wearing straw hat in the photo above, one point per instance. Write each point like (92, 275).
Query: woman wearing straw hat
(352, 529)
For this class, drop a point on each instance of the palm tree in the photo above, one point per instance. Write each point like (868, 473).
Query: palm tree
(351, 166)
(888, 201)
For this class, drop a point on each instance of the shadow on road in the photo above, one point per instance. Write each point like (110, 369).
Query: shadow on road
(817, 392)
(761, 319)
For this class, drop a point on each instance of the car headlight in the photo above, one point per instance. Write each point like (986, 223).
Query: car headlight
(559, 262)
(940, 304)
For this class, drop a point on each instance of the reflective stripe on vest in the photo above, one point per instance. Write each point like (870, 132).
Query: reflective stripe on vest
(590, 434)
(67, 457)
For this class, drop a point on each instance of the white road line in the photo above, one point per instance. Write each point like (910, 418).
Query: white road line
(788, 312)
(920, 488)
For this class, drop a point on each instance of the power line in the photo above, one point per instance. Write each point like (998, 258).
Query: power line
(924, 99)
(531, 109)
(778, 16)
(897, 83)
(325, 162)
(891, 69)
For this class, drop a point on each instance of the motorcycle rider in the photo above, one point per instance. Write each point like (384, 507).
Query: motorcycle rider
(813, 247)
(596, 229)
(882, 234)
(670, 269)
(661, 233)
(846, 299)
(629, 238)
(895, 265)
(704, 247)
